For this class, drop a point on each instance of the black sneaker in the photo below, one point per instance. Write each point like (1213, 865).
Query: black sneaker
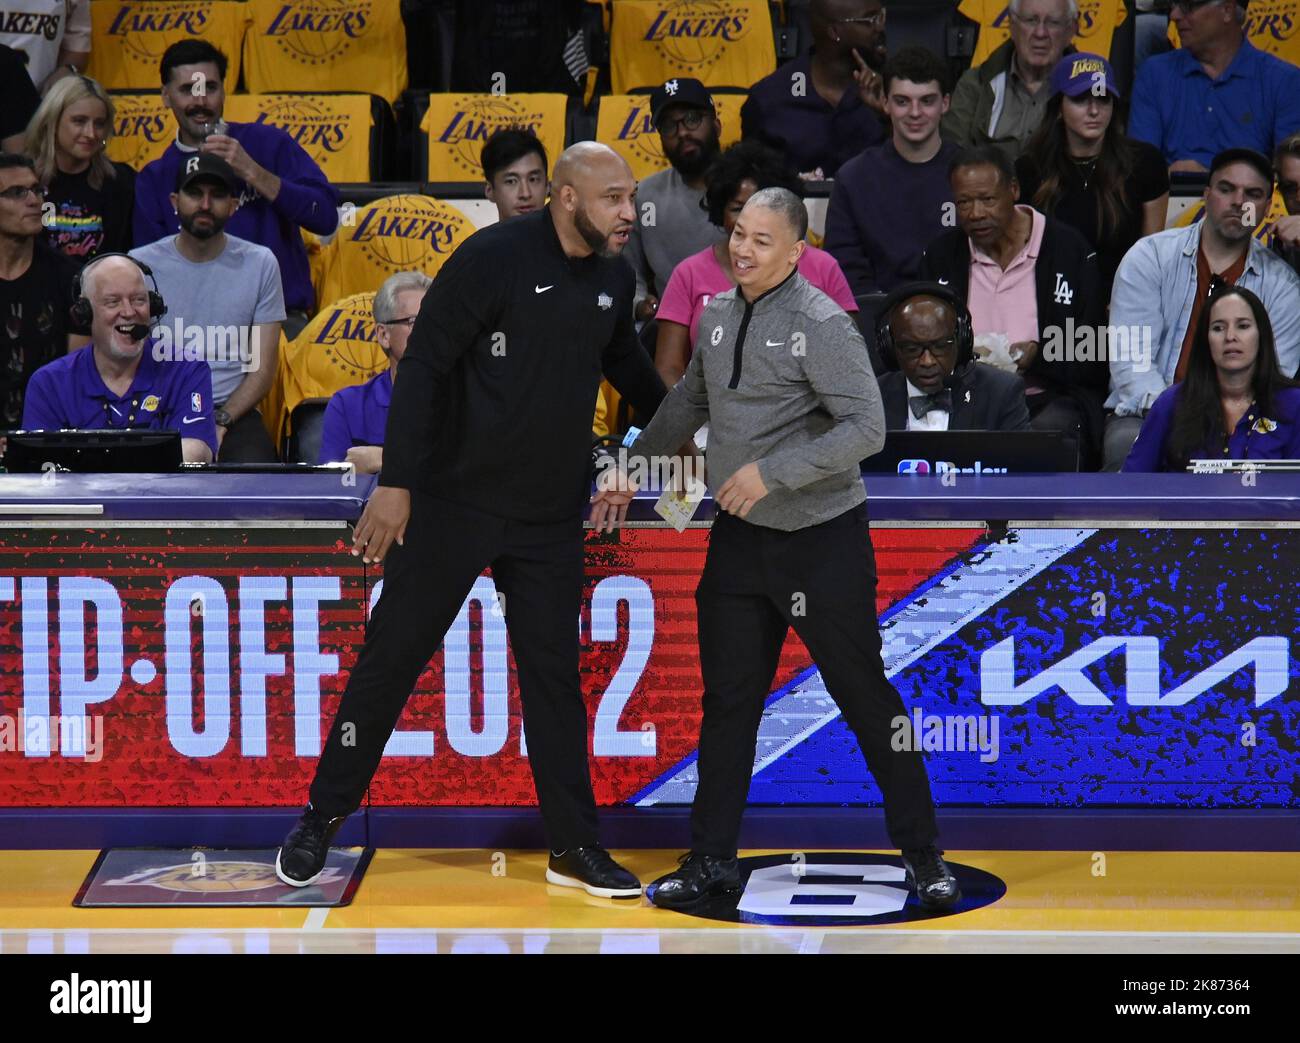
(301, 859)
(936, 887)
(700, 876)
(591, 869)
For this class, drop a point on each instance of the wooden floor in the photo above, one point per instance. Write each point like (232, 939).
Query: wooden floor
(481, 901)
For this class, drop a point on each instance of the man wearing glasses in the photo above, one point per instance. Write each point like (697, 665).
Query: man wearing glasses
(1217, 91)
(671, 225)
(356, 416)
(35, 288)
(823, 108)
(1002, 102)
(936, 386)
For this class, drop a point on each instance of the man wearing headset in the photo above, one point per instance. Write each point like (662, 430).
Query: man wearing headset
(116, 381)
(781, 374)
(924, 335)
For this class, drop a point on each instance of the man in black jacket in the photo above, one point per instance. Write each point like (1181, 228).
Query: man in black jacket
(487, 458)
(924, 331)
(1034, 279)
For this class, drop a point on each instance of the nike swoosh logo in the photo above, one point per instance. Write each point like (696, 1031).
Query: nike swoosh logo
(543, 289)
(775, 343)
(192, 419)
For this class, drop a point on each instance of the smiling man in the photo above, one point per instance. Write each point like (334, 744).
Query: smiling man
(116, 381)
(486, 463)
(780, 373)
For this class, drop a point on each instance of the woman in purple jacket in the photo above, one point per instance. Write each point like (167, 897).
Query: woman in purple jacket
(1234, 404)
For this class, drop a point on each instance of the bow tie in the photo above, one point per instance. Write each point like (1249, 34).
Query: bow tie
(922, 404)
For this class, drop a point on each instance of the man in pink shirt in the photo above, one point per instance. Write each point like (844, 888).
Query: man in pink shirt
(1035, 280)
(736, 175)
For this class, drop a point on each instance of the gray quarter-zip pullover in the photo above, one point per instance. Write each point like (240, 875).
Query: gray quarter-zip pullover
(784, 381)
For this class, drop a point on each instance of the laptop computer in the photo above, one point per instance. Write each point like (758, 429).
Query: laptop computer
(104, 452)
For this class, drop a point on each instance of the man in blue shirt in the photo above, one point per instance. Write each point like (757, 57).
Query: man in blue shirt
(115, 381)
(1216, 92)
(355, 417)
(283, 188)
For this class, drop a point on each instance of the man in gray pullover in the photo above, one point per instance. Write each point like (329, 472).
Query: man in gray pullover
(782, 377)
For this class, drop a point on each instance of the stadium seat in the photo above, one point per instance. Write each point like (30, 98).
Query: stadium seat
(390, 235)
(651, 43)
(336, 349)
(143, 127)
(868, 307)
(351, 136)
(297, 45)
(623, 123)
(454, 127)
(306, 425)
(128, 38)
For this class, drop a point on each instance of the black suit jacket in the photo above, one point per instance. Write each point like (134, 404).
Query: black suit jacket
(983, 399)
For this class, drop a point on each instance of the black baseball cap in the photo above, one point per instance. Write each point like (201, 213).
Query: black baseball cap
(205, 165)
(1249, 156)
(681, 90)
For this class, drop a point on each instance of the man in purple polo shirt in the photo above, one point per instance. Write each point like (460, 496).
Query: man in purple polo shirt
(115, 381)
(283, 188)
(824, 107)
(355, 417)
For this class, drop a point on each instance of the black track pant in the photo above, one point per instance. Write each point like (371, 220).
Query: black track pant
(757, 583)
(538, 570)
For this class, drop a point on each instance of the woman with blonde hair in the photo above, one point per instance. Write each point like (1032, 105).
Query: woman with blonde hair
(92, 196)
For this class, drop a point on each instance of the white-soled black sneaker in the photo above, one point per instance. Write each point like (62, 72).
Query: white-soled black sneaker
(301, 859)
(593, 870)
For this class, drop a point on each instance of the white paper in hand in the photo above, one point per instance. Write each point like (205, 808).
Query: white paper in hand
(677, 505)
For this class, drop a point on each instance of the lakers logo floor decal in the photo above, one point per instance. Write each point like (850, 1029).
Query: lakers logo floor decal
(827, 889)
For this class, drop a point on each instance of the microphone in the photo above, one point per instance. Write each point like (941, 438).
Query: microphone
(138, 331)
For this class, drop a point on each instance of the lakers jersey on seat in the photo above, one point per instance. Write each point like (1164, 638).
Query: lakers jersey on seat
(718, 42)
(457, 127)
(130, 36)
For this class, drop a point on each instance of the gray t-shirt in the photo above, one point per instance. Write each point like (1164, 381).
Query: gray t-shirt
(665, 236)
(212, 306)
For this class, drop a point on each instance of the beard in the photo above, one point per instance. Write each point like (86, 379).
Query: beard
(199, 232)
(694, 166)
(591, 235)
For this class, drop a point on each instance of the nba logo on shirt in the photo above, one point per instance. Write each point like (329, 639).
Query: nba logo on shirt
(196, 402)
(913, 467)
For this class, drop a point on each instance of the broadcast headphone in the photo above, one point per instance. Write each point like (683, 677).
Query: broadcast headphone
(82, 311)
(885, 337)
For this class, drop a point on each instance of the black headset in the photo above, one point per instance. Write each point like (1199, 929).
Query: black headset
(885, 337)
(82, 311)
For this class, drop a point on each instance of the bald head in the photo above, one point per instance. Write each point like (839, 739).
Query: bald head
(116, 267)
(593, 196)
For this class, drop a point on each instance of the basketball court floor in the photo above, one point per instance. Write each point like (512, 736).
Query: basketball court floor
(467, 901)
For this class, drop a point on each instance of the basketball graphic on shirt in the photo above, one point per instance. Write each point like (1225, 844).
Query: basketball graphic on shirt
(316, 32)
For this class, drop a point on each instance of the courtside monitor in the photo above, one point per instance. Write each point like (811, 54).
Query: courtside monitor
(100, 452)
(974, 452)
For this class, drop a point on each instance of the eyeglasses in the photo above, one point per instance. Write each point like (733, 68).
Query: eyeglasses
(408, 322)
(18, 192)
(869, 19)
(1053, 25)
(911, 350)
(673, 125)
